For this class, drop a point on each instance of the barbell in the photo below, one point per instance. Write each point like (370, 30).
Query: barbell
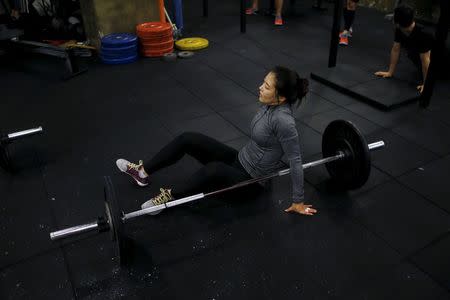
(346, 156)
(6, 139)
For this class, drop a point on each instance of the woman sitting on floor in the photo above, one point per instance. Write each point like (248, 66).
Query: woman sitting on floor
(273, 134)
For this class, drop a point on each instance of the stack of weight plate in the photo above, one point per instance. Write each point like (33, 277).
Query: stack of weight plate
(156, 38)
(119, 48)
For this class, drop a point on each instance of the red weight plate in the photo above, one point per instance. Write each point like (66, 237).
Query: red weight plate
(154, 28)
(148, 53)
(157, 46)
(160, 39)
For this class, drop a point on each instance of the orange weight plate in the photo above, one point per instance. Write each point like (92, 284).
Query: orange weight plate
(157, 46)
(156, 28)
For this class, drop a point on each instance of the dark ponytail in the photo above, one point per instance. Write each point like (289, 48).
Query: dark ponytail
(289, 85)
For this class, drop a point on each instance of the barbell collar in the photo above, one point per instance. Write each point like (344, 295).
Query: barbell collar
(23, 133)
(75, 230)
(376, 145)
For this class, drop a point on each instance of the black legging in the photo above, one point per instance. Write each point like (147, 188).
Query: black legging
(349, 18)
(221, 165)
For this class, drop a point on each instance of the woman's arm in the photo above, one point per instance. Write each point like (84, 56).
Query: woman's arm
(286, 133)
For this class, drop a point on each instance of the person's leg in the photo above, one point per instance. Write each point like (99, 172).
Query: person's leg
(278, 7)
(253, 9)
(201, 147)
(278, 11)
(212, 176)
(415, 59)
(349, 15)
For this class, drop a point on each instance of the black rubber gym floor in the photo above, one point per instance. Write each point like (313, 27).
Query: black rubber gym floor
(387, 240)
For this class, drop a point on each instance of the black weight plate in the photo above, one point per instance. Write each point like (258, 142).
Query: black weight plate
(5, 161)
(114, 217)
(109, 219)
(353, 171)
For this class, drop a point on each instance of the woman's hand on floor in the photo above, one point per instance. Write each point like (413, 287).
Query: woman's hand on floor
(301, 208)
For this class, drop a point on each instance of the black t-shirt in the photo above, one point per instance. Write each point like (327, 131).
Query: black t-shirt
(416, 43)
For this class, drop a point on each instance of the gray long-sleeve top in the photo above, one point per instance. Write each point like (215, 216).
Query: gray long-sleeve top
(273, 134)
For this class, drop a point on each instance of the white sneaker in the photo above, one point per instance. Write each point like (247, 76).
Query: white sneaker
(136, 171)
(164, 197)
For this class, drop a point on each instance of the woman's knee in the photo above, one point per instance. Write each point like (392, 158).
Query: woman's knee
(187, 138)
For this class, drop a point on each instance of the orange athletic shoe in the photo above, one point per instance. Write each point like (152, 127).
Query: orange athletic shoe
(278, 21)
(251, 11)
(343, 40)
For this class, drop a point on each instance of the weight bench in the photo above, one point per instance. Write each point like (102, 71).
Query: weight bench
(10, 40)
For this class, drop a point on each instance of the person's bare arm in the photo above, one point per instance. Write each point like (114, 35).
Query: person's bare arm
(395, 55)
(425, 60)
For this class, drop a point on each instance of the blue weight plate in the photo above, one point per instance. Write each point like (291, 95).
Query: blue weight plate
(115, 40)
(118, 61)
(114, 49)
(119, 53)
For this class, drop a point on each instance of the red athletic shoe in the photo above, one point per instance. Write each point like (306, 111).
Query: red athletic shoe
(278, 21)
(343, 40)
(251, 11)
